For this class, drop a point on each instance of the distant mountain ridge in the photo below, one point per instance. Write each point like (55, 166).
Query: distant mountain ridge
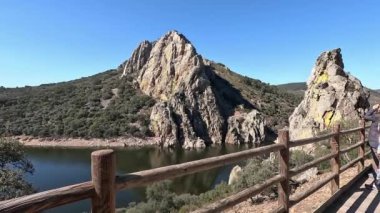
(299, 88)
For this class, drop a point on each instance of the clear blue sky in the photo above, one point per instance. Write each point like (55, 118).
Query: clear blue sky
(44, 41)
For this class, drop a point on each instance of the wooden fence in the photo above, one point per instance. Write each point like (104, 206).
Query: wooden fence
(104, 184)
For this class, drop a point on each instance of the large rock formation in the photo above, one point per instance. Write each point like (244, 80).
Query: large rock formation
(245, 128)
(332, 96)
(192, 108)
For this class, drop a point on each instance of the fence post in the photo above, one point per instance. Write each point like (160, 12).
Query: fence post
(103, 169)
(362, 147)
(283, 186)
(335, 162)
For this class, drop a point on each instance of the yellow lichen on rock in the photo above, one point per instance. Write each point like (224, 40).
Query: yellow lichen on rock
(323, 78)
(327, 118)
(337, 118)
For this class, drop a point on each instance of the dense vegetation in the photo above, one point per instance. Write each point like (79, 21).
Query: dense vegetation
(99, 106)
(13, 168)
(277, 105)
(161, 196)
(105, 105)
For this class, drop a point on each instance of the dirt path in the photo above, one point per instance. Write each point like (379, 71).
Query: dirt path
(310, 204)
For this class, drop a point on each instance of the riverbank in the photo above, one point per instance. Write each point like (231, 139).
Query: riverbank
(119, 142)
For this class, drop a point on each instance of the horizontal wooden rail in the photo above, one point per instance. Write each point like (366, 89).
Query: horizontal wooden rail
(350, 164)
(103, 186)
(306, 141)
(49, 199)
(169, 172)
(350, 131)
(322, 208)
(302, 195)
(349, 148)
(279, 209)
(306, 166)
(240, 196)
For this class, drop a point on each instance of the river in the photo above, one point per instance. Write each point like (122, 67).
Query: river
(57, 167)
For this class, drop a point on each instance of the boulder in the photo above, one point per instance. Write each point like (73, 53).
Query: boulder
(245, 128)
(234, 175)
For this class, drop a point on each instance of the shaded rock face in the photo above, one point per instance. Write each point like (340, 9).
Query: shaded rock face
(191, 111)
(332, 96)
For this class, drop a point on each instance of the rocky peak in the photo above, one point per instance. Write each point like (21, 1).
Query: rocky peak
(138, 59)
(189, 112)
(332, 96)
(163, 65)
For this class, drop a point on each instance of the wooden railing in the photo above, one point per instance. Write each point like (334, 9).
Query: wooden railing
(104, 184)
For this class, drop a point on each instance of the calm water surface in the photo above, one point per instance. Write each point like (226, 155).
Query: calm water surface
(57, 167)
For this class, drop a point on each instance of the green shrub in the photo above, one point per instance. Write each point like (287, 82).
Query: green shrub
(73, 109)
(13, 168)
(321, 151)
(299, 158)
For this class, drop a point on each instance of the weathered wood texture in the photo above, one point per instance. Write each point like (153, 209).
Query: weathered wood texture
(301, 142)
(306, 166)
(335, 162)
(349, 148)
(49, 199)
(350, 164)
(169, 172)
(302, 195)
(240, 196)
(103, 170)
(283, 186)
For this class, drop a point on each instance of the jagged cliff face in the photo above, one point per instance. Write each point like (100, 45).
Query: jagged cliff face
(332, 96)
(193, 108)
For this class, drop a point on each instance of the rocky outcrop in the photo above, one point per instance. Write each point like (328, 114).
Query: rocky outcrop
(245, 128)
(332, 96)
(191, 110)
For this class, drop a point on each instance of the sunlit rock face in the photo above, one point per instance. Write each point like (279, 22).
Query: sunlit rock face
(245, 128)
(190, 112)
(332, 96)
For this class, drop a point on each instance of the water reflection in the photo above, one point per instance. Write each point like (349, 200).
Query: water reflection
(57, 167)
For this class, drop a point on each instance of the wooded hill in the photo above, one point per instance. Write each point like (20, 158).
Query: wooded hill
(105, 105)
(299, 89)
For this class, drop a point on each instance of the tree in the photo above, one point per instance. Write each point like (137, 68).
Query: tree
(13, 168)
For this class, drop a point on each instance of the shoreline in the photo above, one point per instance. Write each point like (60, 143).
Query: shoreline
(120, 142)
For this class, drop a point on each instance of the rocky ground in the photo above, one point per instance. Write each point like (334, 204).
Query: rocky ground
(309, 204)
(83, 143)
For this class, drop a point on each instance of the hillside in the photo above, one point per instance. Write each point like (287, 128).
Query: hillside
(81, 108)
(275, 103)
(299, 89)
(134, 100)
